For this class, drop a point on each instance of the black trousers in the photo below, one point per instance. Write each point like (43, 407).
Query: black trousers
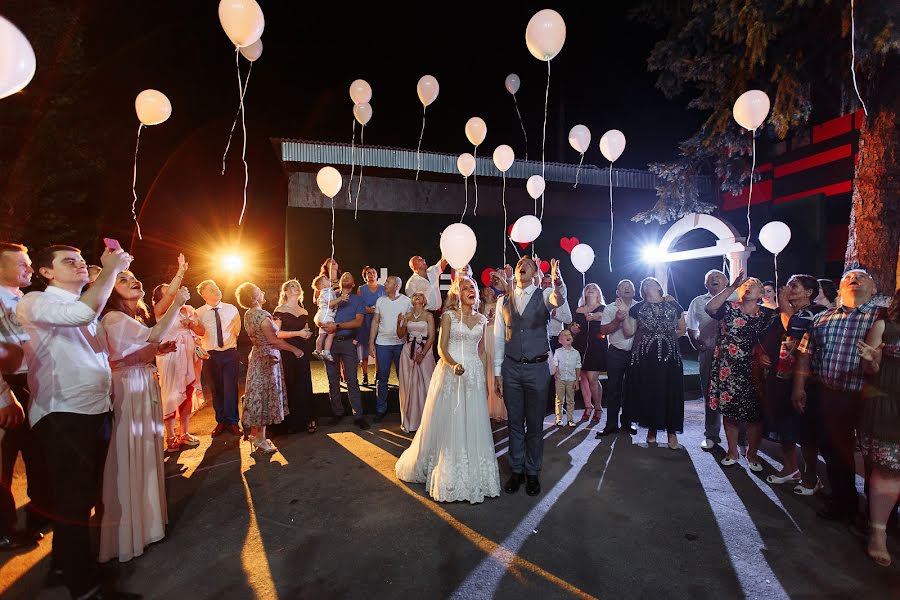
(23, 439)
(75, 446)
(840, 412)
(617, 362)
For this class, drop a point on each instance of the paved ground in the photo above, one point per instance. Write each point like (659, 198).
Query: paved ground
(326, 518)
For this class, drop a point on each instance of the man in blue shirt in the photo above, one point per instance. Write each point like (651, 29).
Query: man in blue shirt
(347, 320)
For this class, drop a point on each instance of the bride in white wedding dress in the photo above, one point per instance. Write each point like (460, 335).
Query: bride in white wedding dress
(453, 450)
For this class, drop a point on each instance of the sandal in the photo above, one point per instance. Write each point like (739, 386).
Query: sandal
(311, 428)
(189, 440)
(881, 557)
(173, 444)
(779, 479)
(597, 414)
(673, 441)
(265, 447)
(586, 416)
(728, 461)
(802, 490)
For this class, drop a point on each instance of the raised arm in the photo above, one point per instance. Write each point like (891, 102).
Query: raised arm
(162, 326)
(558, 296)
(713, 306)
(168, 297)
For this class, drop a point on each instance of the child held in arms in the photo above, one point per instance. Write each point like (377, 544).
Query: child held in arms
(566, 366)
(327, 301)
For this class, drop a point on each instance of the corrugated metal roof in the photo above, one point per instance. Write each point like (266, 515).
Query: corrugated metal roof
(326, 153)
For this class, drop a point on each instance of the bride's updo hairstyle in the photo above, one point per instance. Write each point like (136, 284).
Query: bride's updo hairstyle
(452, 302)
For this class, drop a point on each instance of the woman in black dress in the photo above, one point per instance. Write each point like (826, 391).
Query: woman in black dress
(655, 380)
(293, 325)
(732, 389)
(591, 344)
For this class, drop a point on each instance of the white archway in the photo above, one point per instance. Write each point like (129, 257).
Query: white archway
(729, 244)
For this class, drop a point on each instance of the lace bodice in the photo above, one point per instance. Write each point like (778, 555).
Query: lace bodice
(464, 339)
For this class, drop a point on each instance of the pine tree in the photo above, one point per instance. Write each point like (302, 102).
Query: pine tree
(798, 51)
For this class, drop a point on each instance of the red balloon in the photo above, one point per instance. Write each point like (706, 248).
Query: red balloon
(568, 244)
(486, 277)
(545, 267)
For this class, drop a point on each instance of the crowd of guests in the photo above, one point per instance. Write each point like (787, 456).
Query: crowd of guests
(97, 385)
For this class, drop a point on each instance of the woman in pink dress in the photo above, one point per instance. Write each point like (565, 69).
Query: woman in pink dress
(416, 361)
(179, 371)
(134, 492)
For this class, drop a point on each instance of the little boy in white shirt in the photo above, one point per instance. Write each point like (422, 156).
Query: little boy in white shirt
(566, 366)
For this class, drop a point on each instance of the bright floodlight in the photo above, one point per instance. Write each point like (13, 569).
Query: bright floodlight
(232, 262)
(653, 254)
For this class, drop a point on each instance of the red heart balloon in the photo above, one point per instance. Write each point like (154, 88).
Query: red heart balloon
(568, 244)
(486, 277)
(509, 232)
(545, 267)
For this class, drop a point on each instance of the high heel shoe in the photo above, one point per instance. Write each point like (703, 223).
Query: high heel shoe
(778, 480)
(586, 416)
(881, 557)
(598, 412)
(673, 441)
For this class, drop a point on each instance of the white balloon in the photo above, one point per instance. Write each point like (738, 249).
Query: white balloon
(152, 107)
(545, 34)
(329, 181)
(253, 51)
(458, 243)
(242, 20)
(360, 91)
(580, 138)
(751, 109)
(476, 130)
(582, 257)
(362, 112)
(427, 89)
(535, 186)
(504, 157)
(466, 164)
(512, 83)
(526, 229)
(17, 62)
(774, 236)
(612, 144)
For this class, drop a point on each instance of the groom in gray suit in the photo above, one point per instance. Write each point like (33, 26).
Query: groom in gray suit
(522, 377)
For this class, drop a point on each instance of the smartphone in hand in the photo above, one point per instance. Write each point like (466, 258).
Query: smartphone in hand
(112, 244)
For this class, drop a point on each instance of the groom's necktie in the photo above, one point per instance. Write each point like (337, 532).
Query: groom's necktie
(219, 342)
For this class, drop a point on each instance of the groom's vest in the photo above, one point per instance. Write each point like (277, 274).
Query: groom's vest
(526, 334)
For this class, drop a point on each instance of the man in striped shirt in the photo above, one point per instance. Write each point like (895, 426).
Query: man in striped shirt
(828, 357)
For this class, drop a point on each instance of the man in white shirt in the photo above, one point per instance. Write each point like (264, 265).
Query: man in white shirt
(221, 323)
(16, 434)
(426, 279)
(612, 325)
(384, 344)
(69, 379)
(521, 350)
(702, 330)
(559, 317)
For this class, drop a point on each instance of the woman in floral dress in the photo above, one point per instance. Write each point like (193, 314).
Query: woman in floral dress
(265, 398)
(731, 388)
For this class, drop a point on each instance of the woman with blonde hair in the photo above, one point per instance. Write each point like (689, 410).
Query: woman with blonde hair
(453, 450)
(292, 325)
(591, 344)
(264, 392)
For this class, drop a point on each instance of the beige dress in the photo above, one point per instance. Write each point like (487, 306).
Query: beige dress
(414, 378)
(134, 493)
(496, 406)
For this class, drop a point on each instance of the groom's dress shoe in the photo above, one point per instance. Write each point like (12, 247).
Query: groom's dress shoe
(514, 482)
(532, 485)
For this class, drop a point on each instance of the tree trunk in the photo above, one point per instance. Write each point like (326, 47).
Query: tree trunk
(874, 236)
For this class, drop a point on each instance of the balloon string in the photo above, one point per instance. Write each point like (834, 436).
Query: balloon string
(466, 207)
(362, 156)
(544, 139)
(352, 165)
(776, 278)
(236, 115)
(419, 147)
(504, 217)
(332, 233)
(853, 56)
(475, 179)
(578, 170)
(134, 183)
(750, 193)
(244, 129)
(611, 217)
(522, 124)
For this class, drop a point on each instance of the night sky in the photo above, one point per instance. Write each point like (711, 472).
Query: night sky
(298, 89)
